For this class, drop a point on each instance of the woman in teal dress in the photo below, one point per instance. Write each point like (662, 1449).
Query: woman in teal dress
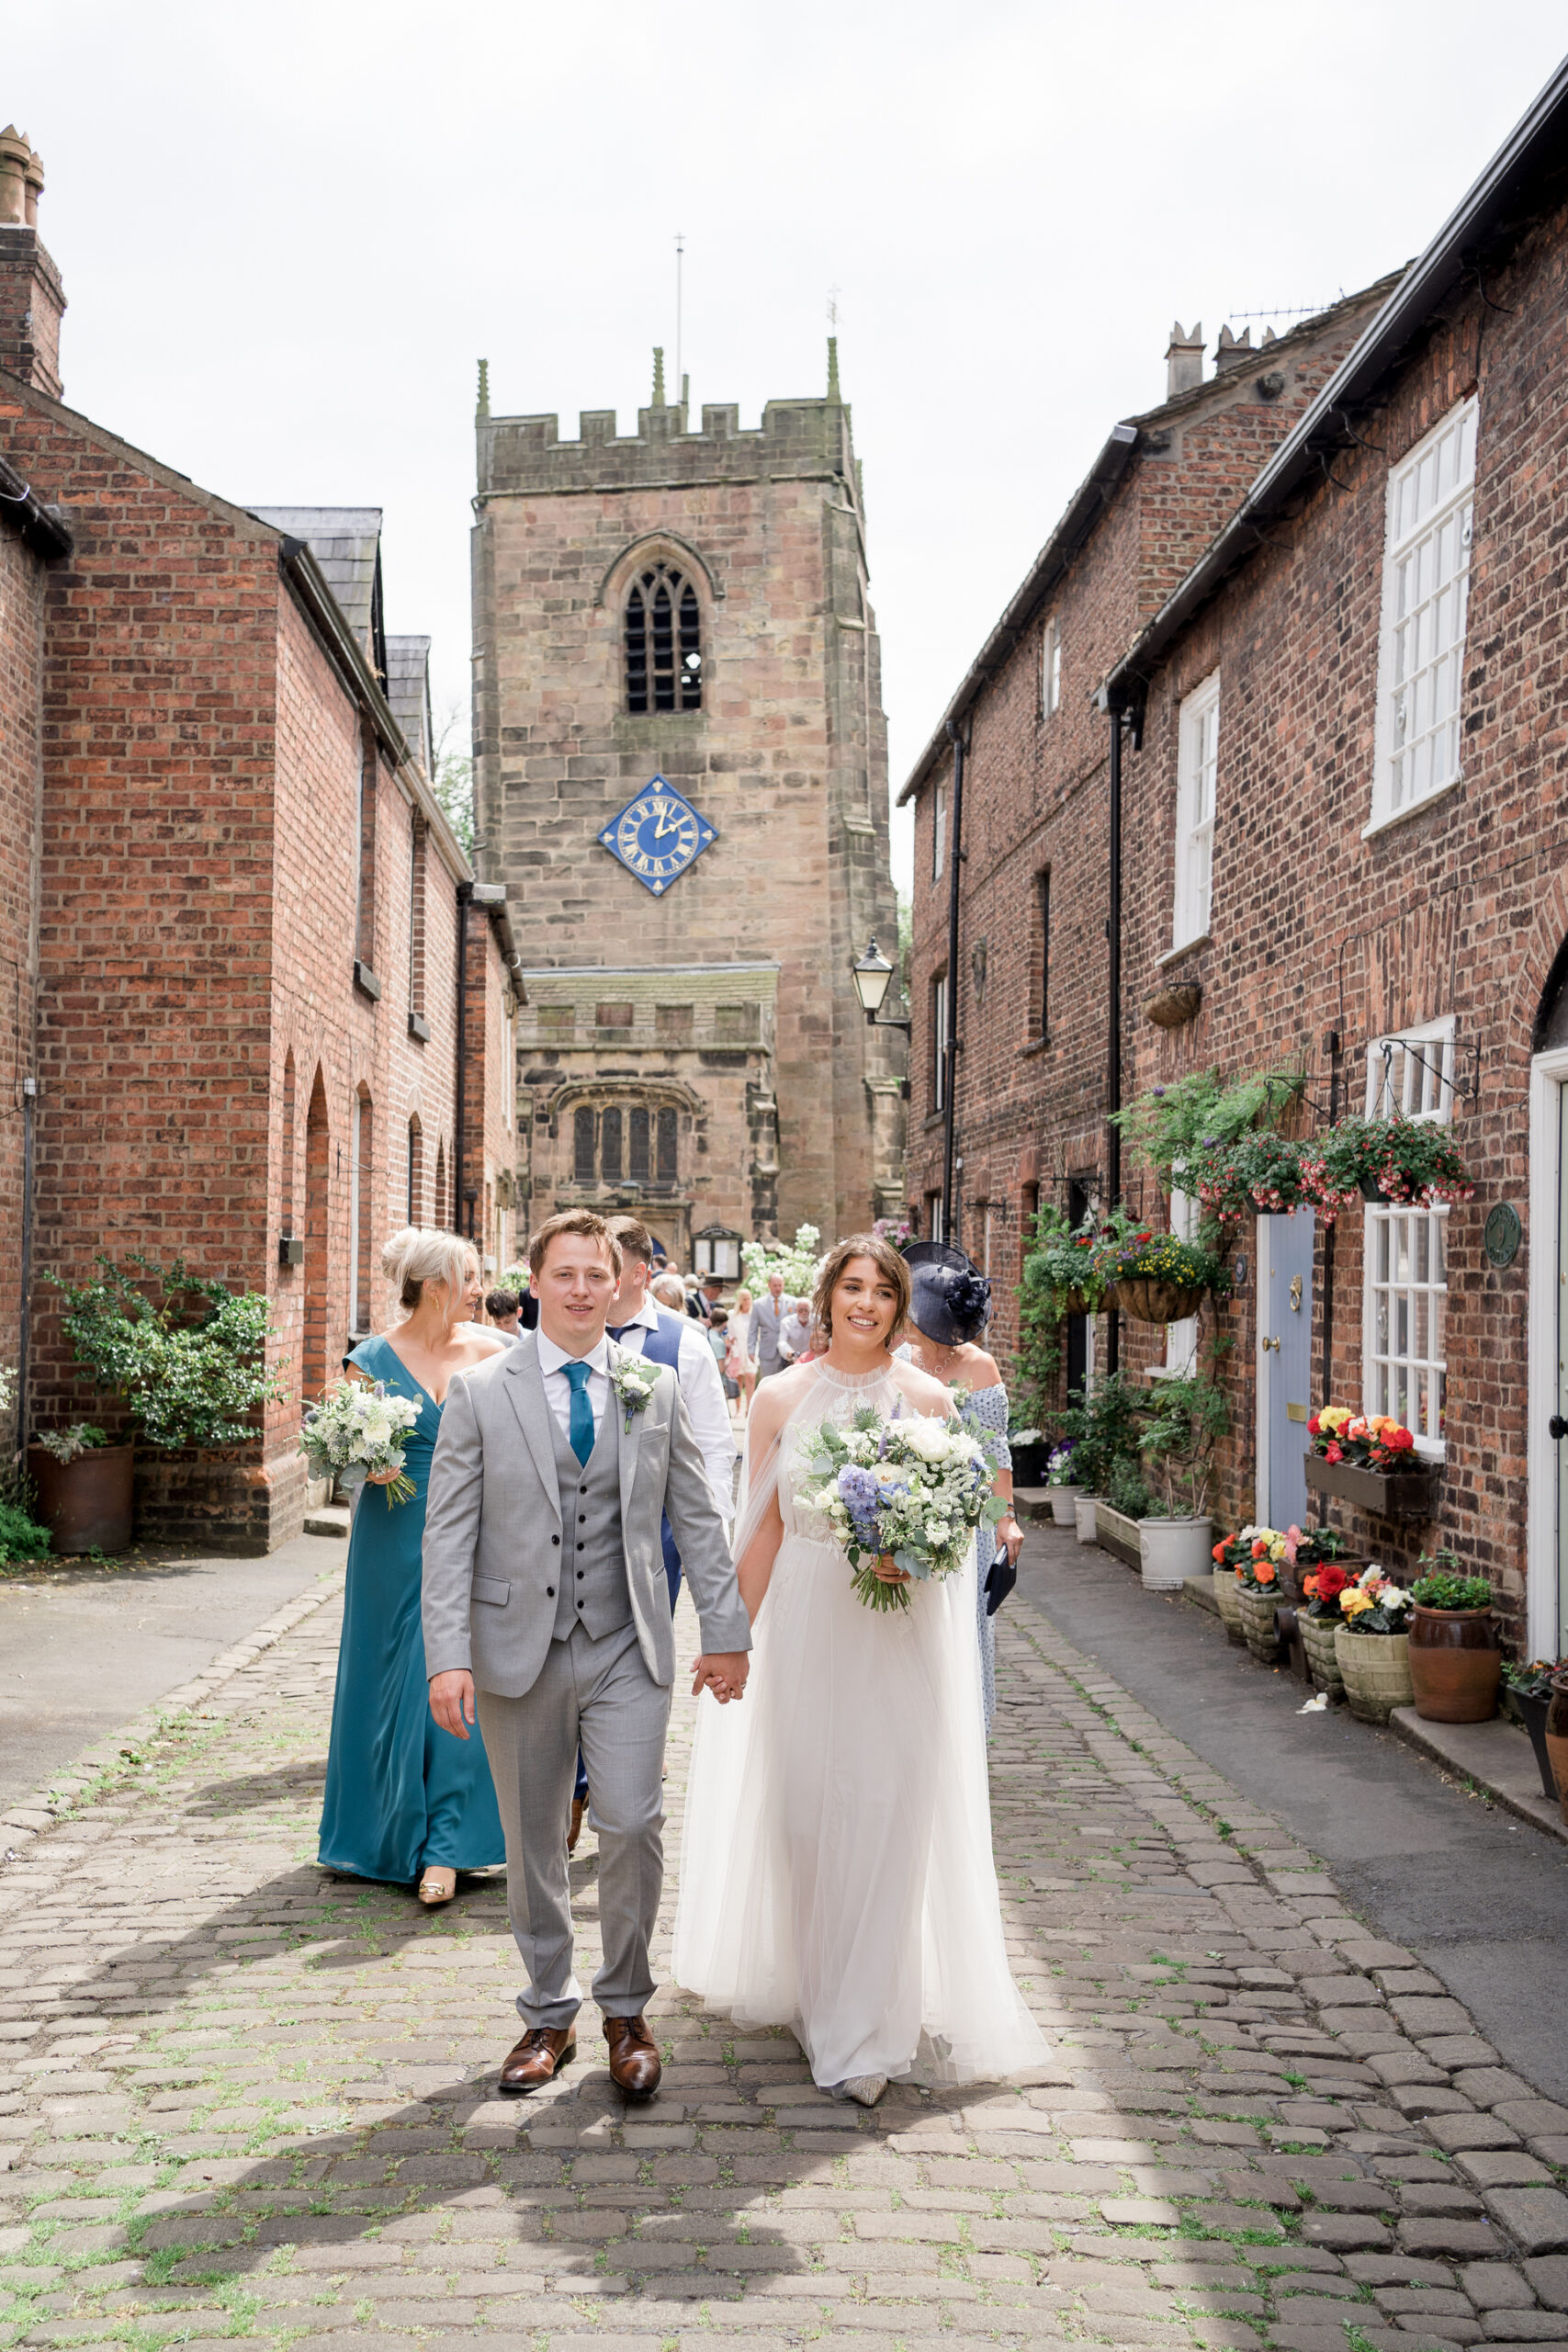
(404, 1800)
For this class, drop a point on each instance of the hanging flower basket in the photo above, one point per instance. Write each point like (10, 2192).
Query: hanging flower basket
(1393, 1163)
(1149, 1300)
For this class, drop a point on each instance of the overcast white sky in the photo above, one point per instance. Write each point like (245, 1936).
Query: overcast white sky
(288, 232)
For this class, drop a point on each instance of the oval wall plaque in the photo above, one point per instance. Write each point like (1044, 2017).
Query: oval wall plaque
(1503, 1236)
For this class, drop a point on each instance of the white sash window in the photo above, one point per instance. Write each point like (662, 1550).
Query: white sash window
(1425, 594)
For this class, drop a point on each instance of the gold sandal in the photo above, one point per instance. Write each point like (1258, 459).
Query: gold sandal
(433, 1891)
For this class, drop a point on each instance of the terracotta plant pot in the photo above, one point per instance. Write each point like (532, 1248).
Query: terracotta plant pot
(1086, 1515)
(85, 1504)
(1557, 1738)
(1456, 1664)
(1322, 1662)
(1227, 1597)
(1258, 1624)
(1147, 1300)
(1376, 1671)
(1063, 1505)
(1171, 1550)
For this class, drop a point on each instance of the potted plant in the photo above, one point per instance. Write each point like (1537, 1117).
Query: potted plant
(1557, 1736)
(1106, 1438)
(1319, 1621)
(83, 1484)
(1405, 1163)
(1370, 1460)
(1031, 1455)
(1160, 1279)
(1257, 1173)
(1183, 1419)
(1226, 1556)
(1061, 1478)
(1456, 1655)
(1526, 1694)
(1371, 1646)
(1259, 1576)
(190, 1363)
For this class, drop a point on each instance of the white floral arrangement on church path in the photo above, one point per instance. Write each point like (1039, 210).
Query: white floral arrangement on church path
(633, 1381)
(913, 1488)
(357, 1427)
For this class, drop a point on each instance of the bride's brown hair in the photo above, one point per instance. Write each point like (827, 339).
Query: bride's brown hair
(887, 1262)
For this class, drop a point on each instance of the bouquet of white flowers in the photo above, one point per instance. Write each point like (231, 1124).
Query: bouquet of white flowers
(914, 1487)
(358, 1428)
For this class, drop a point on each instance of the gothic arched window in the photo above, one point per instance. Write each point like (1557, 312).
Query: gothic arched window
(664, 642)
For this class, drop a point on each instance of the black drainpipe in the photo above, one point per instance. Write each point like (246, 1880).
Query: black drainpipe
(460, 1153)
(950, 1043)
(24, 1343)
(1113, 1035)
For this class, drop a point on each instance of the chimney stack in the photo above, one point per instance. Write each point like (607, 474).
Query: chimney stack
(1183, 360)
(32, 299)
(1231, 349)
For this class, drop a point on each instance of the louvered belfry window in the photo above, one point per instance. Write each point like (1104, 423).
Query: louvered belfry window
(664, 642)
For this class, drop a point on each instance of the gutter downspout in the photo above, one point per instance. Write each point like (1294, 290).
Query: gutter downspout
(1113, 1036)
(460, 1106)
(950, 1043)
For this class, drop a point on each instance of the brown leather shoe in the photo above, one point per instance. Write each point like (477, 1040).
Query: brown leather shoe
(579, 1807)
(539, 2058)
(634, 2057)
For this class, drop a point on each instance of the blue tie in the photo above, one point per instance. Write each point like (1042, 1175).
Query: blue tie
(617, 1330)
(579, 1429)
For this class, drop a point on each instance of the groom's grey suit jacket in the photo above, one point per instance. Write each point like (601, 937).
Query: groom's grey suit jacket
(494, 1544)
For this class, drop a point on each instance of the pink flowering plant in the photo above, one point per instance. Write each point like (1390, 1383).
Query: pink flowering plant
(1402, 1163)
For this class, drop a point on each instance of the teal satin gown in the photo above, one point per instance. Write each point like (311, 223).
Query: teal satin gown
(402, 1793)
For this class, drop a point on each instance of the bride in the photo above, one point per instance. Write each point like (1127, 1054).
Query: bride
(836, 1871)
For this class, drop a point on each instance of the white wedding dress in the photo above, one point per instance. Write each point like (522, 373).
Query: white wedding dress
(836, 1870)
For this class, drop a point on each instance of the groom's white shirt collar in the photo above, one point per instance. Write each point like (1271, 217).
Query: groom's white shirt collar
(558, 1387)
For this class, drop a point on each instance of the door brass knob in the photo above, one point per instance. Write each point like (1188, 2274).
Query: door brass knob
(1271, 1344)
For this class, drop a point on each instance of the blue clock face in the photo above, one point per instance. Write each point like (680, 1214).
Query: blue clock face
(657, 835)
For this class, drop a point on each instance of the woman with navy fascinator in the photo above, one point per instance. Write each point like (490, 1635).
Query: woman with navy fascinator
(950, 1306)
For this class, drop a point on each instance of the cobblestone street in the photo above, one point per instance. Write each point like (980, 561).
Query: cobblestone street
(241, 2099)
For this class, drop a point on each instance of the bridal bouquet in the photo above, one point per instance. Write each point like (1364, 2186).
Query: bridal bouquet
(914, 1487)
(358, 1428)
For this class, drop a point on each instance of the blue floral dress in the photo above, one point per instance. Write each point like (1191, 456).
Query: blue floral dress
(402, 1793)
(990, 1407)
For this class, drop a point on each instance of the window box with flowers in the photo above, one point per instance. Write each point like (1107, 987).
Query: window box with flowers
(1371, 1461)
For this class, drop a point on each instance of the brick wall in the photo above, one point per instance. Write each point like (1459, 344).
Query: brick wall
(1031, 1109)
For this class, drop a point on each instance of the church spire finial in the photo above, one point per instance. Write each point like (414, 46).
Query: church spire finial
(833, 391)
(658, 375)
(484, 407)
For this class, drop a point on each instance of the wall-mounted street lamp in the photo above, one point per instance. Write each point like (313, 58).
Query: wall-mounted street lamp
(871, 974)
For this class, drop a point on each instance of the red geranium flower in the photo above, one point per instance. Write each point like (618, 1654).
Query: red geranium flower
(1314, 1426)
(1330, 1581)
(1334, 1454)
(1265, 1572)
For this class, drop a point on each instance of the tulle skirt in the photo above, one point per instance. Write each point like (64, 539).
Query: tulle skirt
(836, 1869)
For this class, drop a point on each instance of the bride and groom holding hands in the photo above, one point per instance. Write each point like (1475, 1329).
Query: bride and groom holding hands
(836, 1868)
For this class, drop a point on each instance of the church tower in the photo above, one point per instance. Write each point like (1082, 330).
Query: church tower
(680, 776)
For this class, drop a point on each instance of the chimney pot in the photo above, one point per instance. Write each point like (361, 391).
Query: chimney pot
(1231, 349)
(1183, 360)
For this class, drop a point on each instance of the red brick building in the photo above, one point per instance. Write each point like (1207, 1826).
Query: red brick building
(231, 906)
(1341, 742)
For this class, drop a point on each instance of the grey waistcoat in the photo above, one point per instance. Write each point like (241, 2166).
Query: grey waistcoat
(593, 1564)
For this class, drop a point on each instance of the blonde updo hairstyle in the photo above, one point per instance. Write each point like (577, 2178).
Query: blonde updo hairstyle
(887, 1262)
(421, 1254)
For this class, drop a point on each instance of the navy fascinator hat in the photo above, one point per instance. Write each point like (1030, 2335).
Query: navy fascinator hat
(950, 1299)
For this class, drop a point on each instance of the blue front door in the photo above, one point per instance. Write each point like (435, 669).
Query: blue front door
(1284, 1250)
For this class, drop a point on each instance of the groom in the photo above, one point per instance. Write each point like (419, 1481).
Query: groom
(544, 1590)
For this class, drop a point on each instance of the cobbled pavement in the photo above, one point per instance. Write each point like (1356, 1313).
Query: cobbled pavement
(239, 2099)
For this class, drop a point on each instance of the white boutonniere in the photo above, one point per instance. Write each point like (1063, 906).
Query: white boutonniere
(634, 1382)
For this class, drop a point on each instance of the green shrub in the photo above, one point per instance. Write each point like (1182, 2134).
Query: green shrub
(191, 1369)
(1446, 1592)
(21, 1538)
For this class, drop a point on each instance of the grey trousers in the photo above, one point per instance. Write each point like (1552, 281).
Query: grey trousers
(600, 1693)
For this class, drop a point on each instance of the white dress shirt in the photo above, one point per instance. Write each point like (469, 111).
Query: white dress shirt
(558, 1387)
(701, 1383)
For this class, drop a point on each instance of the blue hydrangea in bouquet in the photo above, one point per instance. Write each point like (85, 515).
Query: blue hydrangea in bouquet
(911, 1489)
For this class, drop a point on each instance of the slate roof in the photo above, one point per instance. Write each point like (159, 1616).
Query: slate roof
(408, 691)
(347, 544)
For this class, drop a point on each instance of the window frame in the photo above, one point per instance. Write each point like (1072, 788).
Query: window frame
(939, 830)
(938, 1040)
(1190, 919)
(1422, 1073)
(658, 575)
(1050, 668)
(1465, 418)
(1042, 987)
